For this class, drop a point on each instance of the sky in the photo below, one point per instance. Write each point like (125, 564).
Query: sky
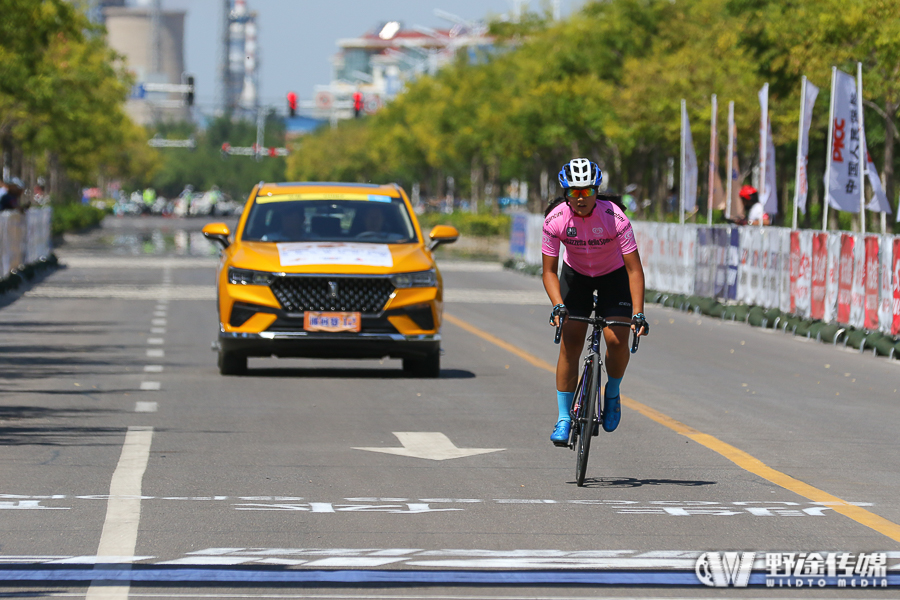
(298, 37)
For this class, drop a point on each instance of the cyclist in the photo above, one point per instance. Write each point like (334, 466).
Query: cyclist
(601, 254)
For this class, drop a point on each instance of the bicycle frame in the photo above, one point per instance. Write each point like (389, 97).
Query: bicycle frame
(589, 373)
(586, 412)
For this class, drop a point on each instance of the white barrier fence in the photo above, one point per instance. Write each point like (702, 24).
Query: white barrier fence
(835, 276)
(24, 238)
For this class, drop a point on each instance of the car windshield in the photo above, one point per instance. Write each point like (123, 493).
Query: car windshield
(384, 220)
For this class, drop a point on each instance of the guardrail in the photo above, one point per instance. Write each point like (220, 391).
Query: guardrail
(24, 239)
(829, 276)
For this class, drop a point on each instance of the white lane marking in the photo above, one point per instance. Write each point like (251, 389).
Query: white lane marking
(470, 267)
(430, 445)
(28, 505)
(153, 368)
(156, 353)
(93, 560)
(352, 562)
(474, 296)
(156, 341)
(210, 560)
(158, 330)
(159, 313)
(127, 292)
(159, 322)
(146, 407)
(150, 386)
(123, 512)
(96, 262)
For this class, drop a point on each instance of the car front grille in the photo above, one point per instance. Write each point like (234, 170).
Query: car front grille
(357, 294)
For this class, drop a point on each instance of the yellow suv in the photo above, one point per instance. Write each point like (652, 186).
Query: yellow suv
(329, 270)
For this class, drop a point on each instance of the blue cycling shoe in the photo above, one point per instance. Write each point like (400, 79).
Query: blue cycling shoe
(611, 412)
(560, 436)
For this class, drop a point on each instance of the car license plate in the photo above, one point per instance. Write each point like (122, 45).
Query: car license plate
(332, 321)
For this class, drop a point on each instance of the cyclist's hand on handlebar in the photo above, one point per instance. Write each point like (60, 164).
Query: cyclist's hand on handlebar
(559, 315)
(639, 325)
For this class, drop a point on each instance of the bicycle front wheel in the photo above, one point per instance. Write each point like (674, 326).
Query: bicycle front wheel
(585, 421)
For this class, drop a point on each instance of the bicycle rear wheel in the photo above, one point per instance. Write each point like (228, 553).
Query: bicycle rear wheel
(585, 421)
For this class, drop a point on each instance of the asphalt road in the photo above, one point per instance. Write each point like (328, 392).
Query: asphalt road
(130, 468)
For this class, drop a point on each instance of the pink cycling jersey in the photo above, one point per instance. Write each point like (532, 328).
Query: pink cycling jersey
(594, 244)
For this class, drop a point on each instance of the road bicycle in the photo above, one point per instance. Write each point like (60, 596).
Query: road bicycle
(586, 412)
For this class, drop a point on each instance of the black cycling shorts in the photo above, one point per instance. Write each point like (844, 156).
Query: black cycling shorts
(613, 293)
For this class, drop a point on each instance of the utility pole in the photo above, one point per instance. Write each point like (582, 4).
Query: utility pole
(224, 72)
(260, 130)
(155, 50)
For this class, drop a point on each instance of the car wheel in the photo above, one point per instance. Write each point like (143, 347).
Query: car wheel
(231, 363)
(428, 367)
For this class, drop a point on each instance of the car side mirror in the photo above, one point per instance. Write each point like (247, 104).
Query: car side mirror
(217, 233)
(442, 234)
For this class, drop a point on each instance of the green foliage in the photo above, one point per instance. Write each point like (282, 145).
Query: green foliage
(62, 94)
(476, 225)
(206, 165)
(74, 217)
(607, 83)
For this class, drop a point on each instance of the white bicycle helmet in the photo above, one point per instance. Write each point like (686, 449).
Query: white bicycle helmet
(580, 172)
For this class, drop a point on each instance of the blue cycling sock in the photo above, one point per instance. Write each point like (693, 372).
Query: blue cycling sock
(612, 387)
(564, 400)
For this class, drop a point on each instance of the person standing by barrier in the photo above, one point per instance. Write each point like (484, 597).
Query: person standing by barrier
(10, 199)
(601, 256)
(753, 208)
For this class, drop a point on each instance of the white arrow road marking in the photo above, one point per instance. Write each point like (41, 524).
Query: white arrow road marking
(432, 445)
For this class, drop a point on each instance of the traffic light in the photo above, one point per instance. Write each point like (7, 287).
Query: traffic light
(357, 104)
(292, 104)
(190, 94)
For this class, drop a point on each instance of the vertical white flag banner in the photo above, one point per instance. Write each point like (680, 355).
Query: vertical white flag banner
(733, 204)
(845, 166)
(689, 160)
(768, 193)
(879, 201)
(770, 200)
(809, 94)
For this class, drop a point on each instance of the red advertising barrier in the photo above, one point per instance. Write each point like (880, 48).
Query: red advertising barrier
(871, 283)
(819, 272)
(895, 283)
(845, 279)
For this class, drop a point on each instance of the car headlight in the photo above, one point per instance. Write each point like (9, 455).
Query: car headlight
(417, 279)
(247, 277)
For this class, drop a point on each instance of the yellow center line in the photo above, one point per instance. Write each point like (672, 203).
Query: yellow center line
(735, 455)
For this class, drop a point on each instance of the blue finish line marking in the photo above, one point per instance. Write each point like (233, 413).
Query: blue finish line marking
(140, 574)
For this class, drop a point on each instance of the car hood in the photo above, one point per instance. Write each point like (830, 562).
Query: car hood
(331, 257)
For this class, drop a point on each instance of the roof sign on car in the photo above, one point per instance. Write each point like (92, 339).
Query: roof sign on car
(321, 196)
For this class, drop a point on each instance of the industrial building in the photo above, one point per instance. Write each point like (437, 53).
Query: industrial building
(152, 42)
(380, 62)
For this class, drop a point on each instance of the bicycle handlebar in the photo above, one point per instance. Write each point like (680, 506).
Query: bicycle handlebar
(602, 323)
